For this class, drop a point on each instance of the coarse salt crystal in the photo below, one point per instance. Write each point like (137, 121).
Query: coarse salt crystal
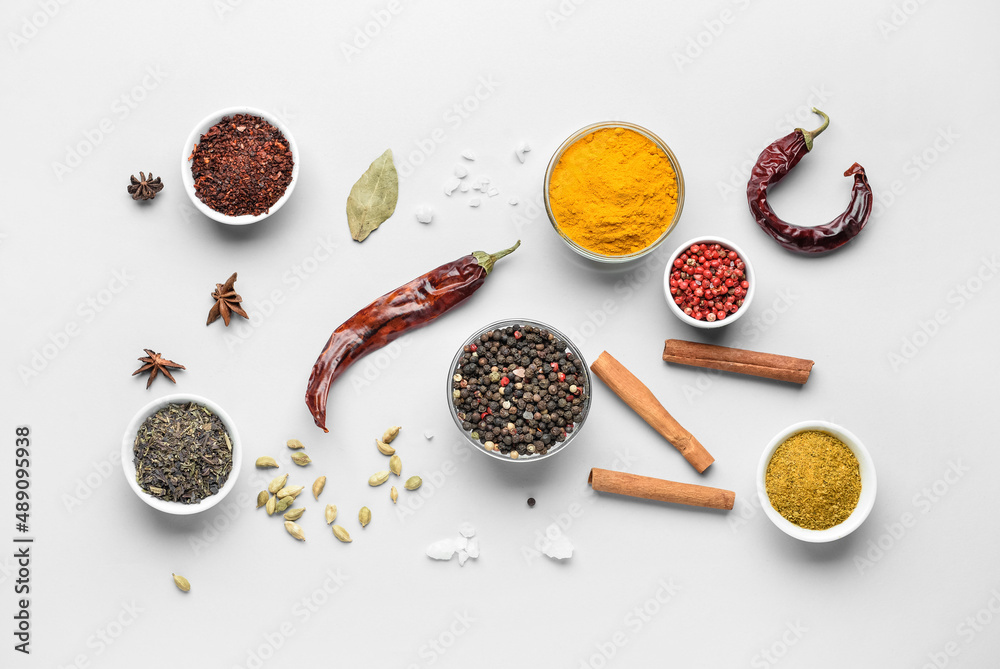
(428, 434)
(473, 548)
(461, 543)
(424, 213)
(493, 192)
(461, 171)
(462, 558)
(467, 530)
(559, 548)
(512, 201)
(464, 187)
(475, 202)
(468, 154)
(442, 550)
(450, 185)
(522, 148)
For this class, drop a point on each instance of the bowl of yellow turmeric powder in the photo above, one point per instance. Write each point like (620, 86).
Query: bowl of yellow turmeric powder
(613, 191)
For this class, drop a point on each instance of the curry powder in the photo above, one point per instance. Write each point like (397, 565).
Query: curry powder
(813, 480)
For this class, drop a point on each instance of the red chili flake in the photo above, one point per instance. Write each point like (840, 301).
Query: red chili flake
(241, 166)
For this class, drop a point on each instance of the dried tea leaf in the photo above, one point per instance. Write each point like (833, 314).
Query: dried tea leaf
(373, 197)
(181, 583)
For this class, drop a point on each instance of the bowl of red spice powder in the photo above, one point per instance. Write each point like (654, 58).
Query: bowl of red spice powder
(239, 165)
(709, 282)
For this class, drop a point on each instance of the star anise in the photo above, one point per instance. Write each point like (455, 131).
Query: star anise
(157, 363)
(227, 302)
(143, 188)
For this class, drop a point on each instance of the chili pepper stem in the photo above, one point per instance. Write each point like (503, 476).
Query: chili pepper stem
(810, 135)
(487, 260)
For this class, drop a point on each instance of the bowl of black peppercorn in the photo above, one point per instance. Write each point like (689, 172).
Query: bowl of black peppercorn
(519, 390)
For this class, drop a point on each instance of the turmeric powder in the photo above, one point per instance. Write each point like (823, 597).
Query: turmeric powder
(613, 192)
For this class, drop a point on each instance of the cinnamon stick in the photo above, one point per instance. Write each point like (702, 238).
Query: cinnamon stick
(741, 361)
(633, 485)
(635, 394)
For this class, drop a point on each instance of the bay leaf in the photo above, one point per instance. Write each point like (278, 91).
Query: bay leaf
(373, 198)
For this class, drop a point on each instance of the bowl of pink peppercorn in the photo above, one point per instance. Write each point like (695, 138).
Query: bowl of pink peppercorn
(709, 282)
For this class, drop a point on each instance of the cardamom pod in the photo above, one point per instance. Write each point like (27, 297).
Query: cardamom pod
(341, 534)
(393, 494)
(295, 514)
(262, 498)
(384, 448)
(283, 504)
(395, 465)
(301, 459)
(364, 516)
(277, 484)
(318, 486)
(181, 583)
(291, 491)
(295, 443)
(331, 513)
(413, 483)
(390, 434)
(272, 503)
(378, 478)
(295, 530)
(266, 461)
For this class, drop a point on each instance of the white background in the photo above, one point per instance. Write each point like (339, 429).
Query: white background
(102, 560)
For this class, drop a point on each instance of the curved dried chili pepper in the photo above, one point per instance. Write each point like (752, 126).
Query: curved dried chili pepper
(410, 306)
(773, 164)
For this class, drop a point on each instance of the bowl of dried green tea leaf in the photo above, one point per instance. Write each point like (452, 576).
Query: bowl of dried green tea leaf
(816, 481)
(181, 454)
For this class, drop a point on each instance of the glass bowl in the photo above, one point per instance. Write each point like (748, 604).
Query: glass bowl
(583, 132)
(559, 447)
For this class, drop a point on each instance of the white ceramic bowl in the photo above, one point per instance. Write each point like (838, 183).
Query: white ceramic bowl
(751, 277)
(868, 484)
(128, 463)
(188, 179)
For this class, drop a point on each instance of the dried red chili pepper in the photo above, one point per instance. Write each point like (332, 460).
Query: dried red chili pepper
(773, 164)
(410, 306)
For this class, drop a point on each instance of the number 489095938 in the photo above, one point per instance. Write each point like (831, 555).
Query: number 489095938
(22, 463)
